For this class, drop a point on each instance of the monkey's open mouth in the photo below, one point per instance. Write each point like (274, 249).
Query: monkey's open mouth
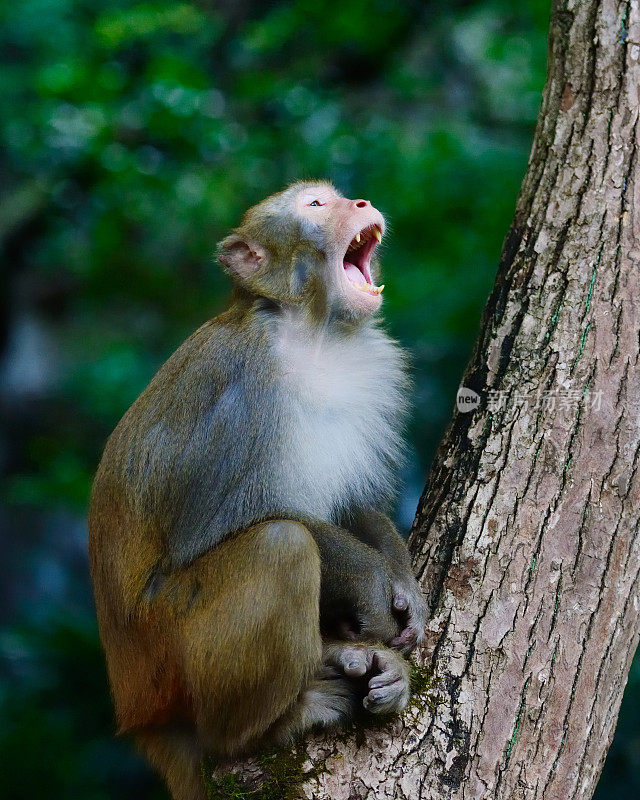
(357, 259)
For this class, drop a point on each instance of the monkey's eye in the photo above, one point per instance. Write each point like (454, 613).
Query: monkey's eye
(316, 203)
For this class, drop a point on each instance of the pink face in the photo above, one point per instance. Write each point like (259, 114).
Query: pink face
(353, 229)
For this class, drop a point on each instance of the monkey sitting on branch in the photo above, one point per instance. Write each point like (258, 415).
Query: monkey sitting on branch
(248, 585)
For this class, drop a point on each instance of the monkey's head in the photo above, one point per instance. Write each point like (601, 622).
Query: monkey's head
(309, 246)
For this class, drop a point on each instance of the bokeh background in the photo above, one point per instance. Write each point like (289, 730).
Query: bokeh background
(132, 136)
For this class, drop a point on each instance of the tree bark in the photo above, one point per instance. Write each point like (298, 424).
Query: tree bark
(525, 538)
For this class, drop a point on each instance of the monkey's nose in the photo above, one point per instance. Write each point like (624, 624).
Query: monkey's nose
(361, 204)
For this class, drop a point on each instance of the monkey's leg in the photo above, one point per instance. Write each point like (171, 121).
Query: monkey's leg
(329, 701)
(249, 638)
(243, 625)
(177, 757)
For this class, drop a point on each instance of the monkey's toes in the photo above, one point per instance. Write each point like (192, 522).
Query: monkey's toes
(356, 661)
(389, 695)
(389, 689)
(391, 699)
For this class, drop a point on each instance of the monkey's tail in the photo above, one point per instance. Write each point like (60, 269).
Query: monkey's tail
(175, 753)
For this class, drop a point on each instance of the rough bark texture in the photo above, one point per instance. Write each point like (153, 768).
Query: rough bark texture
(526, 536)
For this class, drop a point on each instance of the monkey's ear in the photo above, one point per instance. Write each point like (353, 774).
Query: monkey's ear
(240, 256)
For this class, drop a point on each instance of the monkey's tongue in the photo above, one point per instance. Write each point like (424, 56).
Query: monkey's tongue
(354, 274)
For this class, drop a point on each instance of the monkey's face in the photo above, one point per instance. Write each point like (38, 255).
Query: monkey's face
(345, 233)
(309, 245)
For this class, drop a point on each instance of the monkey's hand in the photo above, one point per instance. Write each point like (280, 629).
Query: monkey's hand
(410, 608)
(386, 674)
(378, 605)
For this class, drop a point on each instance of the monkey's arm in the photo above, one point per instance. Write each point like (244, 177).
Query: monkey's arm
(356, 589)
(366, 594)
(376, 530)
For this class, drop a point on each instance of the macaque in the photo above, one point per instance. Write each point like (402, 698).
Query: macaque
(248, 585)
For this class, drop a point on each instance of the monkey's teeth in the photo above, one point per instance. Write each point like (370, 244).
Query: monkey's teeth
(368, 233)
(369, 289)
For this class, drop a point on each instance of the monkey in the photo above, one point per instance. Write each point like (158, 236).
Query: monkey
(249, 586)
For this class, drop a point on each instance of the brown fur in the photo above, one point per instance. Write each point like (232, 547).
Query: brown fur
(176, 657)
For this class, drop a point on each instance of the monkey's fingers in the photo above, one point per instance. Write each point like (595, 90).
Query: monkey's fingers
(410, 608)
(408, 639)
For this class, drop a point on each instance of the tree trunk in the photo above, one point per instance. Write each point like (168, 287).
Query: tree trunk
(525, 538)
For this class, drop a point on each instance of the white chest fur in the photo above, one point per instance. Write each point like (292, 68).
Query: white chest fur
(344, 399)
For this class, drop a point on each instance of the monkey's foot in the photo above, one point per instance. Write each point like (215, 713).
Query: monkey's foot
(329, 701)
(387, 690)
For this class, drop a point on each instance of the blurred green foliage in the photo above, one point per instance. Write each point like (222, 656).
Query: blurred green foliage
(57, 721)
(133, 135)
